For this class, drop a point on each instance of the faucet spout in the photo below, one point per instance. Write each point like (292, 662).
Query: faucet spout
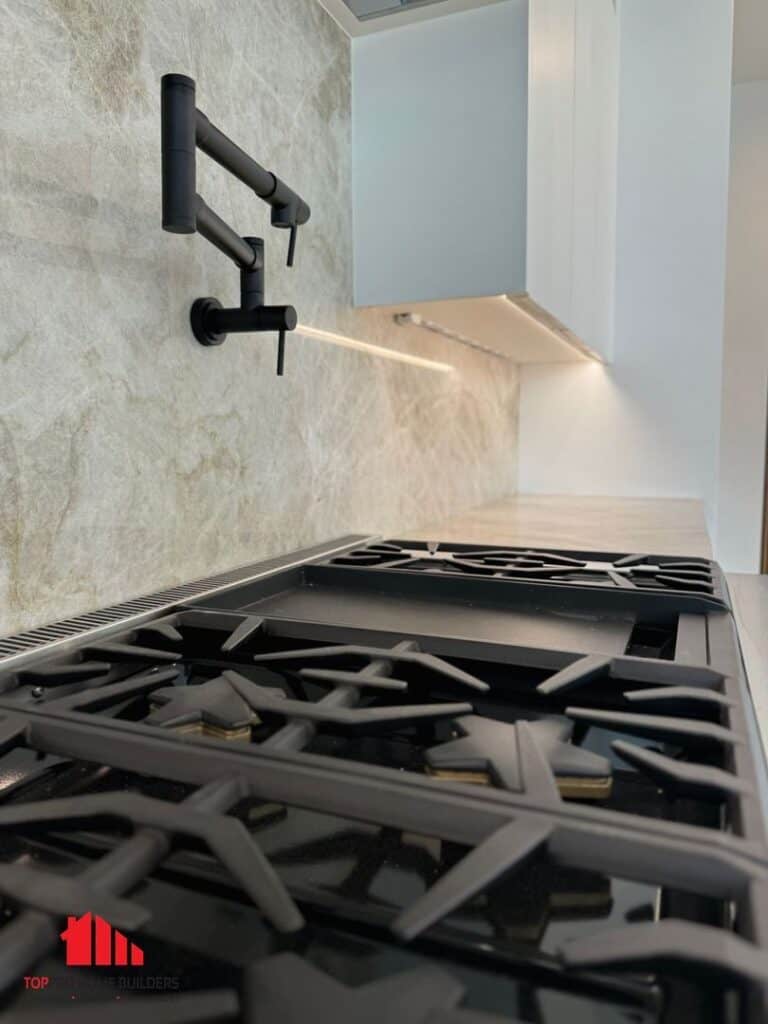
(211, 323)
(239, 321)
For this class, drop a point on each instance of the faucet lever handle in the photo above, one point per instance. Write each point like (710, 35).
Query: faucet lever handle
(292, 244)
(280, 353)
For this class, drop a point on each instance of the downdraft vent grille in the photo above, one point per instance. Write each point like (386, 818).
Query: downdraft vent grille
(68, 628)
(116, 613)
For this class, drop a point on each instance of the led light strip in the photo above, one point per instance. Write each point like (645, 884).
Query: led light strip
(373, 350)
(545, 321)
(416, 320)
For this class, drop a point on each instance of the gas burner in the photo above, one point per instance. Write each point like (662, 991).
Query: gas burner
(639, 572)
(487, 750)
(209, 709)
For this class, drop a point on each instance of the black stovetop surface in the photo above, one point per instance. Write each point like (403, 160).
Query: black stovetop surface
(409, 782)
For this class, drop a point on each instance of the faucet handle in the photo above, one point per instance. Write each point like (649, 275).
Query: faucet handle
(288, 322)
(290, 216)
(275, 318)
(292, 244)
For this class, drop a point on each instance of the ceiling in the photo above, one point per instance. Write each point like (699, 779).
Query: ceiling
(361, 17)
(376, 8)
(750, 46)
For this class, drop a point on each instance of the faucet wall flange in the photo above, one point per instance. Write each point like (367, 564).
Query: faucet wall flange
(201, 321)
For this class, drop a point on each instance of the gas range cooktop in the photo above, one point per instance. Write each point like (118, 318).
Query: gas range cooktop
(387, 781)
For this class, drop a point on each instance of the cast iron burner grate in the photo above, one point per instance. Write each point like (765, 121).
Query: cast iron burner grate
(502, 830)
(634, 572)
(236, 678)
(397, 819)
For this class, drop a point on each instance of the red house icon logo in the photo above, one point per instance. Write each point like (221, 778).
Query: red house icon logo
(93, 942)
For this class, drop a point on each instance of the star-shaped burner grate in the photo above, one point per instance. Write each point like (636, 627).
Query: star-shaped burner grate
(340, 706)
(230, 704)
(685, 692)
(379, 663)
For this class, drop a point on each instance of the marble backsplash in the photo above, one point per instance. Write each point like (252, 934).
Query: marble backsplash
(131, 458)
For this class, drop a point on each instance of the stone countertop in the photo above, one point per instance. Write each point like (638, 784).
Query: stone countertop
(659, 526)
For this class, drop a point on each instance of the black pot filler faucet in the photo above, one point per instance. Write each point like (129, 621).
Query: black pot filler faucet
(184, 130)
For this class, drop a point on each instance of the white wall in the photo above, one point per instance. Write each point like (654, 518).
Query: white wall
(745, 357)
(439, 157)
(649, 424)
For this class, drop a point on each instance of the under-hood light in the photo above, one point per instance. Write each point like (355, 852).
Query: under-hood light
(416, 320)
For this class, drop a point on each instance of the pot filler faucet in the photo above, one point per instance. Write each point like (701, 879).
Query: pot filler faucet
(184, 130)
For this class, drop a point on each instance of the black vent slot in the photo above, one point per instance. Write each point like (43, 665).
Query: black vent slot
(653, 640)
